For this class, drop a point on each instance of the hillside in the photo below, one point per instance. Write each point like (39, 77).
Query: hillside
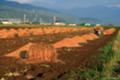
(109, 15)
(10, 9)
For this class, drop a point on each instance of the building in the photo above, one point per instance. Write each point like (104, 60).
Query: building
(72, 24)
(10, 21)
(59, 23)
(87, 24)
(6, 22)
(98, 24)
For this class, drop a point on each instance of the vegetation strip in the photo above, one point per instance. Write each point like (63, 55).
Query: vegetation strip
(109, 67)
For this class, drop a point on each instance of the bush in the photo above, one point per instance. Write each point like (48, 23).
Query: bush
(106, 52)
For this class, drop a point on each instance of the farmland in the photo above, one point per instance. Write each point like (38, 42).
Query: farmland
(52, 53)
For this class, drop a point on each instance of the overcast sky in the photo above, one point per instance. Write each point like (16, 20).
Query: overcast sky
(68, 4)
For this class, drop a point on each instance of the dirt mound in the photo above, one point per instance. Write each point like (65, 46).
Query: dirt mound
(90, 36)
(35, 53)
(109, 31)
(4, 33)
(67, 42)
(23, 32)
(75, 41)
(42, 52)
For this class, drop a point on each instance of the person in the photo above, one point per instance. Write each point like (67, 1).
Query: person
(98, 31)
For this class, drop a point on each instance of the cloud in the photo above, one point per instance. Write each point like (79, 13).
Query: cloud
(22, 1)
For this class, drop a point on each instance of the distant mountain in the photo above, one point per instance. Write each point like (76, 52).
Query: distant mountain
(108, 15)
(9, 9)
(13, 4)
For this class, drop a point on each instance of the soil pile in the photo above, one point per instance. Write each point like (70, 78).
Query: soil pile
(35, 53)
(4, 33)
(25, 32)
(75, 41)
(109, 31)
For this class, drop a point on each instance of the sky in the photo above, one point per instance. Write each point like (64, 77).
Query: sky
(71, 4)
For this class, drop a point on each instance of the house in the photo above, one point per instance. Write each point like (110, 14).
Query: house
(87, 24)
(98, 24)
(10, 21)
(59, 23)
(72, 24)
(6, 22)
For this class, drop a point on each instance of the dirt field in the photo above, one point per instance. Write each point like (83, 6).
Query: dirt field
(59, 51)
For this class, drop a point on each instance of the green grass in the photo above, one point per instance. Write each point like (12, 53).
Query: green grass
(108, 67)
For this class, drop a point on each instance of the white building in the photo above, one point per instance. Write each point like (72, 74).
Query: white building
(72, 24)
(6, 22)
(59, 23)
(98, 24)
(87, 24)
(10, 21)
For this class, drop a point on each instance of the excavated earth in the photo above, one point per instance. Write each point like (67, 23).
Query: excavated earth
(51, 56)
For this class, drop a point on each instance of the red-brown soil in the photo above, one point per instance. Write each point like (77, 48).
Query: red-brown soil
(24, 32)
(73, 55)
(76, 40)
(37, 53)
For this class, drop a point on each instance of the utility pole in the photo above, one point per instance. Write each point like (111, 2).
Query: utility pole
(35, 18)
(24, 18)
(40, 20)
(54, 19)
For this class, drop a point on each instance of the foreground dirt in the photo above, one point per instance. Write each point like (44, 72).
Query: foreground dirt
(73, 57)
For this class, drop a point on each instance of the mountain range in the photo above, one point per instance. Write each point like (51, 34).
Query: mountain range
(108, 15)
(93, 14)
(10, 9)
